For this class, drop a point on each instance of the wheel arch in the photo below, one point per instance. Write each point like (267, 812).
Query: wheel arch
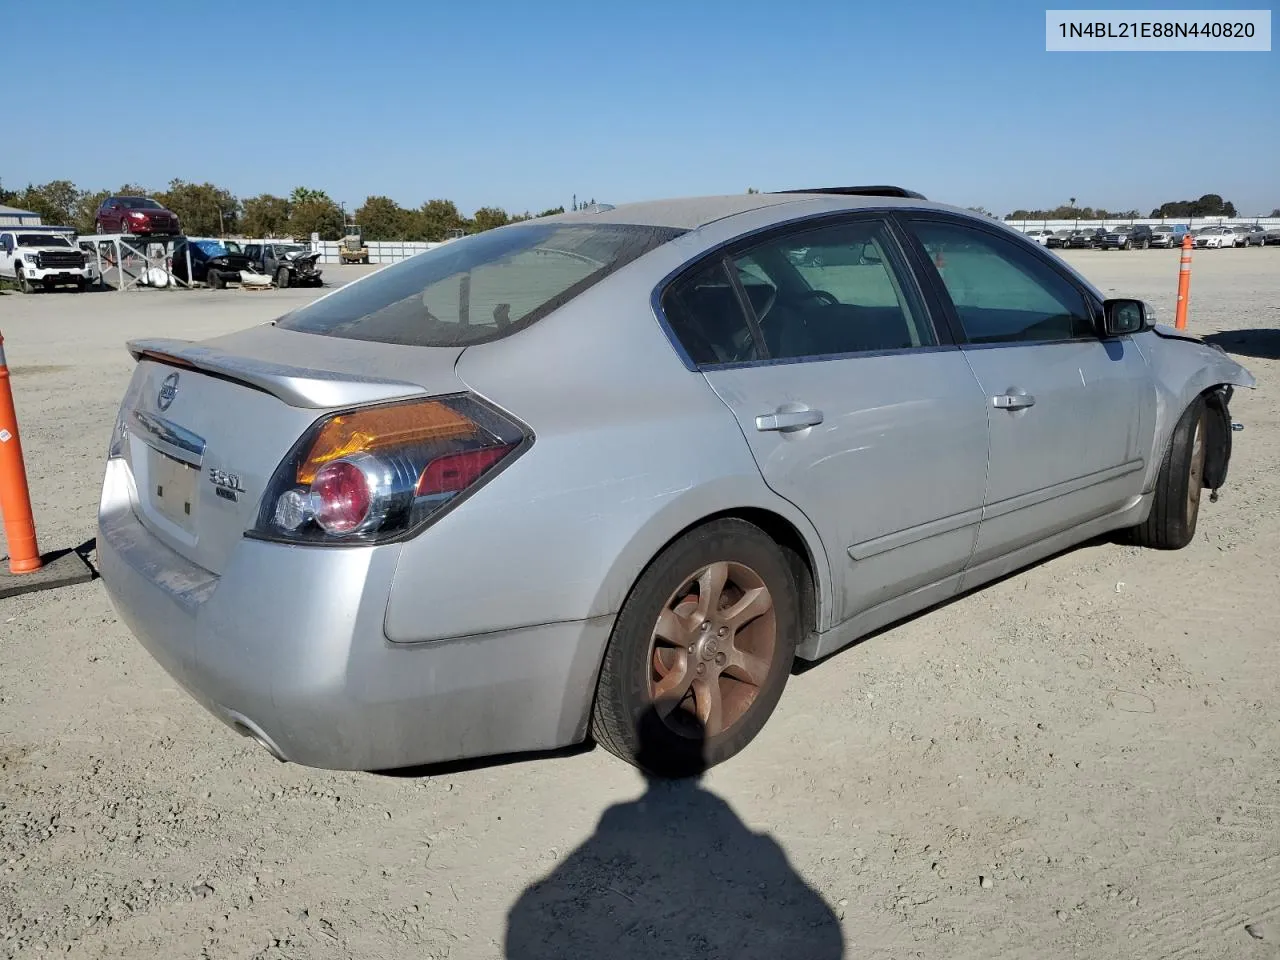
(784, 524)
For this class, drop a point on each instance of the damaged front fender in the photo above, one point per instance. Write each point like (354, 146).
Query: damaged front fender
(1184, 367)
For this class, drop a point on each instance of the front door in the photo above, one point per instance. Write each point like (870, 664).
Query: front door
(1068, 408)
(855, 409)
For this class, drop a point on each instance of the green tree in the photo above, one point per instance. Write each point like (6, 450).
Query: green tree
(1209, 205)
(315, 215)
(54, 201)
(1276, 212)
(487, 218)
(266, 216)
(6, 196)
(752, 190)
(304, 194)
(434, 219)
(552, 212)
(205, 210)
(381, 218)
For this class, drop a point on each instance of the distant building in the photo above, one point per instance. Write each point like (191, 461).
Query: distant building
(13, 217)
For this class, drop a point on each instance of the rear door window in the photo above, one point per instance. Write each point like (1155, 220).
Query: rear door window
(481, 287)
(833, 290)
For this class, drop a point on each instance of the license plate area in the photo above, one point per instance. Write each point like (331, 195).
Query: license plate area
(173, 489)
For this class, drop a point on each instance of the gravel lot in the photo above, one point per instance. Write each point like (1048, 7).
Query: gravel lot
(1080, 761)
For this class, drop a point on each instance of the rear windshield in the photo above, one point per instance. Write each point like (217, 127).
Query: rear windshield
(479, 288)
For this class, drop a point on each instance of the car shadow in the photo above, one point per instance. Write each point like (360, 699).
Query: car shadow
(674, 873)
(1263, 343)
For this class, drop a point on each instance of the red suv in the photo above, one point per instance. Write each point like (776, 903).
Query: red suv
(135, 215)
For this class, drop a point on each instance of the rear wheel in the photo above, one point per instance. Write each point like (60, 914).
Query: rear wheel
(700, 652)
(216, 282)
(282, 277)
(1171, 525)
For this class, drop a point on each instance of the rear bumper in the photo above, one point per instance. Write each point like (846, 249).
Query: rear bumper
(288, 645)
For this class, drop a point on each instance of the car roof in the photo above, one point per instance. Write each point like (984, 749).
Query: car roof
(690, 213)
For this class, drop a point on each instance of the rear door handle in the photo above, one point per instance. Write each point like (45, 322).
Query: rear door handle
(1013, 401)
(789, 420)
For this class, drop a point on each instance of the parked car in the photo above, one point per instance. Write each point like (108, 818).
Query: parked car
(291, 264)
(212, 263)
(140, 215)
(1272, 235)
(1086, 238)
(34, 257)
(1216, 237)
(1040, 236)
(1058, 239)
(378, 532)
(1137, 236)
(1165, 236)
(1251, 235)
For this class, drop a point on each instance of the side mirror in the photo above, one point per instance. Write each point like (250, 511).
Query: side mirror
(1124, 317)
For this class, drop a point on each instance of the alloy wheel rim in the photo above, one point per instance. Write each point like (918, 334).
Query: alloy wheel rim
(1195, 479)
(712, 650)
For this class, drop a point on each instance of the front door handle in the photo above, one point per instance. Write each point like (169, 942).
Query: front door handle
(789, 420)
(1013, 401)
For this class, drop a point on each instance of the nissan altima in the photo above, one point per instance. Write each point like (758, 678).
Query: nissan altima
(606, 475)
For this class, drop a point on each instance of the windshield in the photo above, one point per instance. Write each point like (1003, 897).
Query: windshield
(479, 288)
(291, 248)
(42, 240)
(211, 248)
(139, 203)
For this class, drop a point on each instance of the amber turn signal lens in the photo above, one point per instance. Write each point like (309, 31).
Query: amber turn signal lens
(381, 427)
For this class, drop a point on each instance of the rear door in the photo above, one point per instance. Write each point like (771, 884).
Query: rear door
(855, 409)
(1069, 409)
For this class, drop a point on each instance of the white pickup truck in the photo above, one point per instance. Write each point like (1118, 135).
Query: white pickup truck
(32, 257)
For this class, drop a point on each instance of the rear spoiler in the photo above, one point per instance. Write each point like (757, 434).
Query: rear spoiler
(296, 386)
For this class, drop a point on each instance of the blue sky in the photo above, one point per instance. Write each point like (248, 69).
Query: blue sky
(522, 104)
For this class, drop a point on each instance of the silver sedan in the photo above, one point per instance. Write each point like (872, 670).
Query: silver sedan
(606, 475)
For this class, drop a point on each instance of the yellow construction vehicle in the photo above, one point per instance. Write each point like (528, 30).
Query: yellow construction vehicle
(353, 249)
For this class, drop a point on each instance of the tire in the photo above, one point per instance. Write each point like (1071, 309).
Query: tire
(1171, 525)
(124, 227)
(82, 285)
(282, 278)
(24, 284)
(215, 280)
(729, 684)
(97, 227)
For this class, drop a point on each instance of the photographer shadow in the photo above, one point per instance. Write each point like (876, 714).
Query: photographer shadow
(673, 874)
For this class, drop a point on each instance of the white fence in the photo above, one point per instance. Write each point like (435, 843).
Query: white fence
(380, 251)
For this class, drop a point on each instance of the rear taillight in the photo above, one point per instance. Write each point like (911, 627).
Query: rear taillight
(378, 473)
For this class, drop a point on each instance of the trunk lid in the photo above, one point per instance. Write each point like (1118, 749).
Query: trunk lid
(208, 423)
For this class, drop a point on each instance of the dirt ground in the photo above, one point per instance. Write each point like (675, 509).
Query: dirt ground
(1080, 761)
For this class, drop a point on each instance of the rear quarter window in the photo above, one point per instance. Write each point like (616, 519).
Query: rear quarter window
(480, 288)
